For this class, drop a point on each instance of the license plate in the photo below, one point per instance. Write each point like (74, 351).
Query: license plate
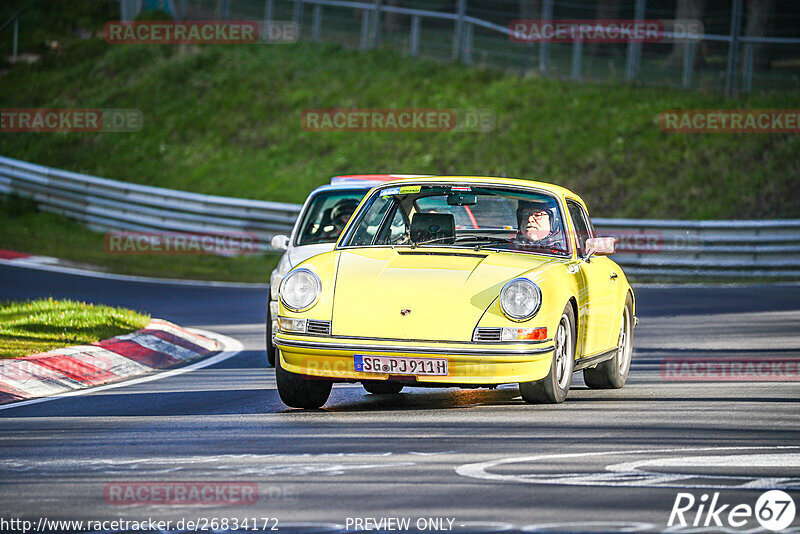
(395, 365)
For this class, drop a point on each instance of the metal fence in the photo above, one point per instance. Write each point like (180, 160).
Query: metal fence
(650, 248)
(741, 50)
(104, 204)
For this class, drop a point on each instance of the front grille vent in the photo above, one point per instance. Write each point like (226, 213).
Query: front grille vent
(319, 328)
(487, 334)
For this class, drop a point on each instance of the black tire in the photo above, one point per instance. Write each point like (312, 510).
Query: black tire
(553, 388)
(272, 350)
(382, 387)
(297, 391)
(613, 373)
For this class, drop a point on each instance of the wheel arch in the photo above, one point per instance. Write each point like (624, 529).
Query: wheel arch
(573, 302)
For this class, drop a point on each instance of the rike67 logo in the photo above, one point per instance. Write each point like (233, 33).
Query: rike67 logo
(774, 510)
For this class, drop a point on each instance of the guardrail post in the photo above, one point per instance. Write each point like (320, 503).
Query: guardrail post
(544, 47)
(298, 14)
(688, 65)
(749, 59)
(365, 16)
(468, 29)
(268, 11)
(16, 40)
(376, 24)
(316, 22)
(733, 48)
(415, 26)
(634, 59)
(124, 10)
(458, 34)
(577, 57)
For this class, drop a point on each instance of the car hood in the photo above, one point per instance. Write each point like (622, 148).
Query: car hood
(423, 293)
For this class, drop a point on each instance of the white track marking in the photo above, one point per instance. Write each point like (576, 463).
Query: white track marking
(125, 277)
(231, 347)
(629, 478)
(582, 526)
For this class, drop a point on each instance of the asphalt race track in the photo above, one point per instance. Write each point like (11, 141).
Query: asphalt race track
(468, 460)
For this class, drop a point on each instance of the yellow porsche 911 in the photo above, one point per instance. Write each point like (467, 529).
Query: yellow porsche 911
(457, 282)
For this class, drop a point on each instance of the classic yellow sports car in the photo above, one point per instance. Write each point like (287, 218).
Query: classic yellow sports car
(457, 282)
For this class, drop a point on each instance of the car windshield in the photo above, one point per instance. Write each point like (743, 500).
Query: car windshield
(327, 215)
(460, 216)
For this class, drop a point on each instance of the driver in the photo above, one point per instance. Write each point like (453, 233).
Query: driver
(340, 214)
(535, 224)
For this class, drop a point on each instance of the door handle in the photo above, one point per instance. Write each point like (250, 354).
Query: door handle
(613, 276)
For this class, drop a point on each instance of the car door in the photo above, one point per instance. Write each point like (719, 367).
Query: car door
(597, 292)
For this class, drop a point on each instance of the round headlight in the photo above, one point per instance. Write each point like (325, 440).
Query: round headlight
(300, 289)
(520, 299)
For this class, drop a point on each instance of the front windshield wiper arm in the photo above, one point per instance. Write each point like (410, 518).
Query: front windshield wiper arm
(489, 241)
(546, 248)
(434, 240)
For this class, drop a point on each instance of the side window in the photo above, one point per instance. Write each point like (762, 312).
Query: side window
(367, 226)
(582, 225)
(398, 229)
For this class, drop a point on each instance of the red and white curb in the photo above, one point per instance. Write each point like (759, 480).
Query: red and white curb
(22, 257)
(160, 345)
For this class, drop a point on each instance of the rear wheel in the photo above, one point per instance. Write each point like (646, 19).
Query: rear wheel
(553, 388)
(272, 350)
(613, 373)
(381, 387)
(299, 391)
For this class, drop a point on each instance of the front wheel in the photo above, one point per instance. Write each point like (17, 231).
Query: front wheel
(613, 373)
(298, 391)
(553, 388)
(380, 387)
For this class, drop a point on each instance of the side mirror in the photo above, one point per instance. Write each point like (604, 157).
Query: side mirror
(280, 242)
(602, 246)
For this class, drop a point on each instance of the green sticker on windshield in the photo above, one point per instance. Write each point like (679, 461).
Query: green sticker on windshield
(406, 189)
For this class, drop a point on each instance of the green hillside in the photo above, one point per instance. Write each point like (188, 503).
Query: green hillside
(226, 120)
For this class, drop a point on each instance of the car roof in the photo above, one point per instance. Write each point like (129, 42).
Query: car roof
(493, 180)
(378, 178)
(361, 181)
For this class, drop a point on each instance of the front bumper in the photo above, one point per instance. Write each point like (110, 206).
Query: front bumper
(468, 363)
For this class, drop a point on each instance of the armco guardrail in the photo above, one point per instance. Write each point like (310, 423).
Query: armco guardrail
(715, 248)
(112, 205)
(644, 247)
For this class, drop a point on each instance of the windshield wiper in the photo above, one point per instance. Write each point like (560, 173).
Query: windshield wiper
(487, 241)
(461, 239)
(434, 240)
(547, 248)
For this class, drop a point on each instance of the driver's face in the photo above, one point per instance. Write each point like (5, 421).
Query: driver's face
(344, 217)
(538, 225)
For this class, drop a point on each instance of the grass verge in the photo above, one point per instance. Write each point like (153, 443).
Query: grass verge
(36, 326)
(226, 120)
(25, 229)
